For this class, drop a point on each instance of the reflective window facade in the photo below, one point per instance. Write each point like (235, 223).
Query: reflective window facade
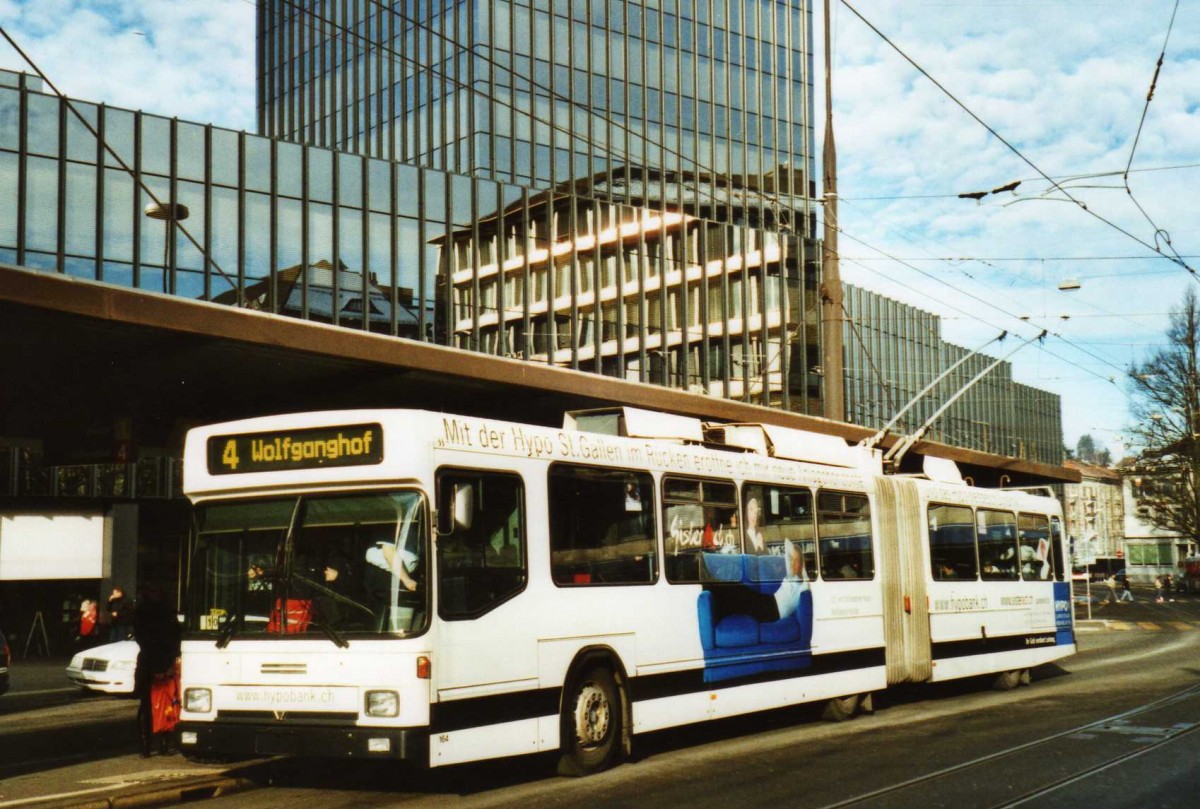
(414, 252)
(705, 94)
(894, 350)
(654, 218)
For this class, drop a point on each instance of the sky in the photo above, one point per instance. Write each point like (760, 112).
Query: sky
(1062, 84)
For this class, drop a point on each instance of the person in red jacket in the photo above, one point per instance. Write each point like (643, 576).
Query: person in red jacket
(89, 631)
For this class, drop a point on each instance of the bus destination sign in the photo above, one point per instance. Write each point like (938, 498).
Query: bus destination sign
(280, 450)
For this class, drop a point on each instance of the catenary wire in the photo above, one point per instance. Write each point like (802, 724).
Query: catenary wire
(1069, 198)
(1137, 136)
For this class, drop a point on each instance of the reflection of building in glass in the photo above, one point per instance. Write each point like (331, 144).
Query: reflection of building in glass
(311, 296)
(647, 295)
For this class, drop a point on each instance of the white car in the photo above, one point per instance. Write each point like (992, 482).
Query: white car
(108, 668)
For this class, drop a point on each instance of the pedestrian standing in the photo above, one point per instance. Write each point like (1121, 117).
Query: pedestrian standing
(88, 634)
(157, 632)
(1126, 592)
(118, 617)
(1158, 590)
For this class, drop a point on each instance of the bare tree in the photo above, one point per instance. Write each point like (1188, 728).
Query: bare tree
(1165, 406)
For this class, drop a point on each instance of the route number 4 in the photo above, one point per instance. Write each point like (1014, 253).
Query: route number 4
(230, 457)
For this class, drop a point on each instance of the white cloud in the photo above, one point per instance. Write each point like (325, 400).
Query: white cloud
(188, 58)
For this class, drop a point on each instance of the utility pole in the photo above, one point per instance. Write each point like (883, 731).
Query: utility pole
(831, 279)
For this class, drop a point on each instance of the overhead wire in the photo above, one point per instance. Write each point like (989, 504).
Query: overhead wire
(1055, 185)
(1137, 136)
(990, 305)
(1066, 178)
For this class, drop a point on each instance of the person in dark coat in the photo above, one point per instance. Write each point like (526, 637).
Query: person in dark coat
(118, 620)
(157, 632)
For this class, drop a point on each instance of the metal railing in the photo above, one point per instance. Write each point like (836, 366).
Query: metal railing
(23, 474)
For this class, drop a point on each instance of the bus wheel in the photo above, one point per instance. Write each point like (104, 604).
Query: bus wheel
(591, 724)
(1007, 680)
(839, 709)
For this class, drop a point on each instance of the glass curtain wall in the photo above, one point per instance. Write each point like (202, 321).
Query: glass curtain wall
(893, 351)
(567, 277)
(684, 124)
(711, 95)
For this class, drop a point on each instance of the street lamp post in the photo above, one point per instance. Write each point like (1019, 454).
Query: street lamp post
(168, 214)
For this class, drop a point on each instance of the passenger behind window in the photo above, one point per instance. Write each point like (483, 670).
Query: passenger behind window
(499, 553)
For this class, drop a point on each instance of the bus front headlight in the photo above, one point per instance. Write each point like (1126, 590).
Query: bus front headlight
(383, 703)
(197, 700)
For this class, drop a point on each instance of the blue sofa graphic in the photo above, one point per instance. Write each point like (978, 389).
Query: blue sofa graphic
(738, 645)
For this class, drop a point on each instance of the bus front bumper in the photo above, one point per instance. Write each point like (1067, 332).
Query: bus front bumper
(295, 739)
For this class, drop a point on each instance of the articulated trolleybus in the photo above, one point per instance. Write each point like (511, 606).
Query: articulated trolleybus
(440, 589)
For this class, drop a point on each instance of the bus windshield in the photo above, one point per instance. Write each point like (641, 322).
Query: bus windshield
(333, 565)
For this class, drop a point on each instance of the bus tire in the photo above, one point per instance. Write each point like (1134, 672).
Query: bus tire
(591, 723)
(1007, 680)
(839, 709)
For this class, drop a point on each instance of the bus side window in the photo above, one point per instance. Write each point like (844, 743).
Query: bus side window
(844, 532)
(1056, 547)
(481, 560)
(775, 515)
(997, 537)
(1037, 561)
(952, 543)
(601, 526)
(699, 516)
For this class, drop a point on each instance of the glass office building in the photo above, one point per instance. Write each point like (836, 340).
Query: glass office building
(893, 351)
(656, 162)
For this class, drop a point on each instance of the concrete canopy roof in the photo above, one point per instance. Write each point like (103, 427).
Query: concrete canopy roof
(85, 351)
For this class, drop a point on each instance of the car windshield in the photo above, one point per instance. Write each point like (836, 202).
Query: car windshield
(335, 565)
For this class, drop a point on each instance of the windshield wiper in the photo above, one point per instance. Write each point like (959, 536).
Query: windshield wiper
(231, 628)
(315, 586)
(331, 633)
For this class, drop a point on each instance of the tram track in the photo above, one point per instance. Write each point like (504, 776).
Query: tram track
(1096, 769)
(880, 795)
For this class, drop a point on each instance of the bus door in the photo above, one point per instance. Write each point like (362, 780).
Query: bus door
(485, 661)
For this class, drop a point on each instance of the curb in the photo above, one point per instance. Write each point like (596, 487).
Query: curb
(194, 789)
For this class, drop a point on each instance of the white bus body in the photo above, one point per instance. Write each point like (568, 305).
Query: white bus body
(571, 589)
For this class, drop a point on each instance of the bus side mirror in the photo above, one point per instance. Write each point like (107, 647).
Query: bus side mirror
(459, 511)
(464, 506)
